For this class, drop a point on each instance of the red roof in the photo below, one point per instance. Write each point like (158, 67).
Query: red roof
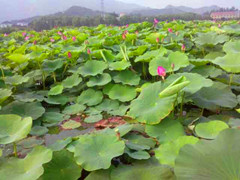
(227, 13)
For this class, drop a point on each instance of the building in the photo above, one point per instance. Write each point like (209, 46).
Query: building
(225, 15)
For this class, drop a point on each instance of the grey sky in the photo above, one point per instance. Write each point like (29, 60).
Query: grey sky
(192, 3)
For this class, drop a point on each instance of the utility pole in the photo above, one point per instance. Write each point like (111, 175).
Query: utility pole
(102, 9)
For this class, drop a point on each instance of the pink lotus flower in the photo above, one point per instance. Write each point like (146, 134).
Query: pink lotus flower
(31, 35)
(88, 51)
(74, 38)
(183, 48)
(64, 37)
(219, 25)
(27, 38)
(69, 55)
(24, 33)
(172, 66)
(170, 30)
(155, 21)
(161, 71)
(123, 36)
(127, 25)
(60, 33)
(157, 40)
(5, 35)
(34, 42)
(52, 40)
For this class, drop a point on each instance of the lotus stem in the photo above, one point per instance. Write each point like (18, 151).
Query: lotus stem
(231, 80)
(15, 149)
(43, 80)
(65, 69)
(54, 77)
(182, 103)
(3, 75)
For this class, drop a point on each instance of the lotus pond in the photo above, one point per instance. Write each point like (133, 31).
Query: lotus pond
(144, 101)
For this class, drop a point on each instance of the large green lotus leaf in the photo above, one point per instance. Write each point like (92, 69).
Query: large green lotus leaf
(218, 95)
(38, 130)
(56, 90)
(74, 109)
(149, 55)
(90, 97)
(179, 60)
(61, 167)
(168, 152)
(71, 81)
(210, 130)
(196, 81)
(138, 142)
(70, 125)
(122, 93)
(29, 168)
(139, 51)
(99, 175)
(52, 65)
(121, 111)
(16, 80)
(92, 68)
(95, 151)
(142, 171)
(19, 58)
(210, 38)
(14, 128)
(93, 118)
(99, 80)
(230, 62)
(108, 105)
(29, 96)
(127, 77)
(34, 109)
(232, 47)
(167, 130)
(149, 108)
(53, 117)
(216, 159)
(207, 71)
(139, 155)
(57, 100)
(4, 94)
(119, 65)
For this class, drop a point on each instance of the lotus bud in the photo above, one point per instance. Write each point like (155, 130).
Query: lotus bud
(69, 55)
(161, 72)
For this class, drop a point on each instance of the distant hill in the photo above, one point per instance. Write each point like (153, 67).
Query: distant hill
(174, 10)
(79, 11)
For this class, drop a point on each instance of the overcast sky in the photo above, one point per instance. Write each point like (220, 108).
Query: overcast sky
(192, 3)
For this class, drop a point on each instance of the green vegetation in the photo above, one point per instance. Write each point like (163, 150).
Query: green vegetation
(141, 101)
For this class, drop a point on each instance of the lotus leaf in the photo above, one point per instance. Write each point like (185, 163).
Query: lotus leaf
(122, 93)
(14, 128)
(56, 90)
(232, 47)
(52, 65)
(149, 108)
(34, 109)
(19, 58)
(57, 100)
(74, 109)
(16, 80)
(127, 77)
(167, 130)
(210, 130)
(90, 152)
(142, 171)
(216, 159)
(38, 130)
(179, 60)
(68, 125)
(96, 97)
(99, 80)
(61, 167)
(29, 97)
(211, 38)
(230, 62)
(29, 168)
(4, 94)
(119, 65)
(212, 97)
(71, 81)
(168, 152)
(92, 68)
